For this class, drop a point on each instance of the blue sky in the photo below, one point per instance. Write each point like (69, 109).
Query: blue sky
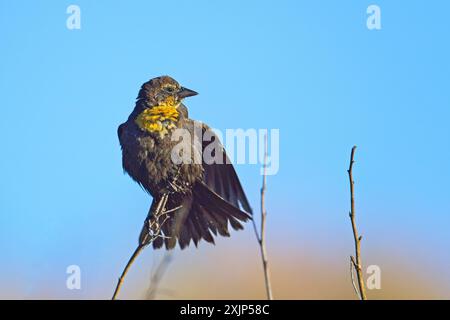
(309, 68)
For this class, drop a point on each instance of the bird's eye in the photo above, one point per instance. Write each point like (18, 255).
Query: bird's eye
(169, 89)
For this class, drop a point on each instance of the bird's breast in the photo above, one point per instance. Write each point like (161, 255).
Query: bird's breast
(159, 119)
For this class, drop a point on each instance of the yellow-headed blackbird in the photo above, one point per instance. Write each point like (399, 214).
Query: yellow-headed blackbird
(193, 198)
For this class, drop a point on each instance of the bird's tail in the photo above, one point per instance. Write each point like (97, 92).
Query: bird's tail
(202, 215)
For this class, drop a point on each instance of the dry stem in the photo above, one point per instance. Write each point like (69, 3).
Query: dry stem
(262, 238)
(355, 261)
(149, 238)
(158, 274)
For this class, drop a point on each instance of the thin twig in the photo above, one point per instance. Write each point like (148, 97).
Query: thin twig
(153, 232)
(125, 271)
(352, 275)
(357, 260)
(262, 238)
(158, 274)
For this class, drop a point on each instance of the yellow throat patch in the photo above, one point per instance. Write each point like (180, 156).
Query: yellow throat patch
(159, 119)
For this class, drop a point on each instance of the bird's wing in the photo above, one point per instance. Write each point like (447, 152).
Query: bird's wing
(221, 177)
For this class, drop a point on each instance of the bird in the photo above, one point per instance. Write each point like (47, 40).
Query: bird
(193, 199)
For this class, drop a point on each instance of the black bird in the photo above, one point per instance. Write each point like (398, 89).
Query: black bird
(191, 199)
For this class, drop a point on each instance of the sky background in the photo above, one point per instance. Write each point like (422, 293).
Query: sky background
(309, 68)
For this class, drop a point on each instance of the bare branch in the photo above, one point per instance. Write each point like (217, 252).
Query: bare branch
(158, 274)
(262, 236)
(356, 262)
(125, 271)
(153, 232)
(352, 275)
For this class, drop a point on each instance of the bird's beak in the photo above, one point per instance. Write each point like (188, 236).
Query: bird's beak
(185, 92)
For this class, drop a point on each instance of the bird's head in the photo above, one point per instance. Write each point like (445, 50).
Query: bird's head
(159, 106)
(163, 91)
